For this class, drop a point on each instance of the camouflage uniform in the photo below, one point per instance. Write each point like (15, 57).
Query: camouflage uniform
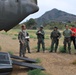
(67, 39)
(55, 35)
(24, 43)
(40, 36)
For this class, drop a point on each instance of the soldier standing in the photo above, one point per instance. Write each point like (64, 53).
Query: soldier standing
(67, 38)
(23, 37)
(55, 35)
(73, 36)
(40, 36)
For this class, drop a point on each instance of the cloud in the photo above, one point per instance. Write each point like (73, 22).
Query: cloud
(65, 5)
(46, 5)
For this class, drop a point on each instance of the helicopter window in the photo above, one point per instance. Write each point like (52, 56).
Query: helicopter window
(4, 59)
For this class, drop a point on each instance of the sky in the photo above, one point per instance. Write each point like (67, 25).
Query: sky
(47, 5)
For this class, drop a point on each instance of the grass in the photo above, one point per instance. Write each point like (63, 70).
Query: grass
(10, 52)
(32, 33)
(36, 72)
(74, 62)
(33, 45)
(11, 32)
(33, 36)
(14, 34)
(14, 38)
(0, 48)
(35, 48)
(47, 37)
(47, 48)
(38, 60)
(5, 33)
(61, 49)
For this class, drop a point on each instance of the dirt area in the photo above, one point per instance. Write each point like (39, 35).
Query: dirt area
(54, 63)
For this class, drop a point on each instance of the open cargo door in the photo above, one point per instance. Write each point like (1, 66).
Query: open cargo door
(31, 66)
(25, 59)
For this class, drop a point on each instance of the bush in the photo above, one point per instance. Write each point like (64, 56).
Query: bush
(36, 72)
(61, 49)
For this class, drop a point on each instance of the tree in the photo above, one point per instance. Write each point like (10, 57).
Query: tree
(30, 23)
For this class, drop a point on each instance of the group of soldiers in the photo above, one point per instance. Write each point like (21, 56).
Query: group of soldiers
(69, 35)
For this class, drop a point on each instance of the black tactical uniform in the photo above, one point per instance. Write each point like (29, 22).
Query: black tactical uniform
(40, 36)
(55, 35)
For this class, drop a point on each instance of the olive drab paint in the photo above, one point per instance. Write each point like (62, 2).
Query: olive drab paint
(13, 12)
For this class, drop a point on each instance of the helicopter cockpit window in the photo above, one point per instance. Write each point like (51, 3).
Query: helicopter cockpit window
(4, 59)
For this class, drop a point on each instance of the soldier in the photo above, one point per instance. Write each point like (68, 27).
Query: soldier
(55, 35)
(40, 36)
(67, 38)
(23, 37)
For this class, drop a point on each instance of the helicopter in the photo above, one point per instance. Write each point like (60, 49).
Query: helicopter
(12, 12)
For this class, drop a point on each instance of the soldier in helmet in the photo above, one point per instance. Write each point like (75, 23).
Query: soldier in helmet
(23, 37)
(40, 36)
(55, 35)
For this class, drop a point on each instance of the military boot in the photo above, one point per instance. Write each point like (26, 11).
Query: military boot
(69, 52)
